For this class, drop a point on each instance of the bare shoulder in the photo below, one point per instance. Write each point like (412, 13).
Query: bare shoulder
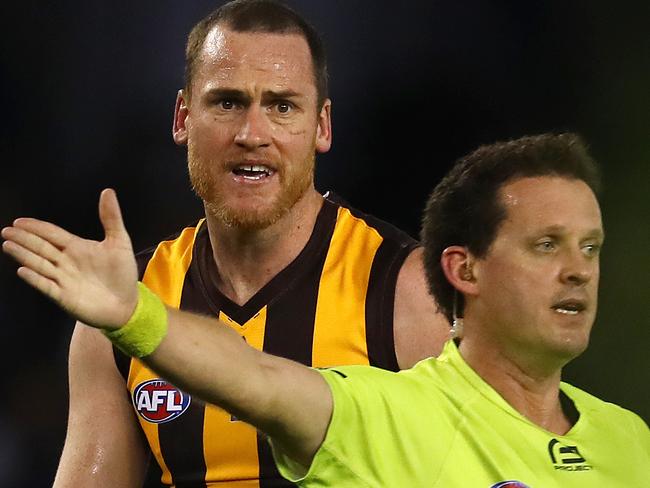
(419, 329)
(103, 446)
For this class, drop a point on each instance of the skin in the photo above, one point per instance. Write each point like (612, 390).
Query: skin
(546, 250)
(100, 457)
(223, 370)
(252, 100)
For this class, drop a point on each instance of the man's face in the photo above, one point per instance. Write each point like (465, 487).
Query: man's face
(252, 125)
(538, 284)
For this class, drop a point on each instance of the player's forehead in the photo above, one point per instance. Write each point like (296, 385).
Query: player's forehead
(227, 50)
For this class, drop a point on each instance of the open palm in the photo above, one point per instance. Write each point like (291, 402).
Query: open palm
(93, 281)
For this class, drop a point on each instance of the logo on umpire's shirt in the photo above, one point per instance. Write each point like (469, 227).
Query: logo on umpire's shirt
(567, 458)
(510, 484)
(158, 402)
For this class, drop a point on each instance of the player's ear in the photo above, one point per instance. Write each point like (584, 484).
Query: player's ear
(181, 111)
(458, 265)
(324, 127)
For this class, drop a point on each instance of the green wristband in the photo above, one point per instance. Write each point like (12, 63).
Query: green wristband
(146, 328)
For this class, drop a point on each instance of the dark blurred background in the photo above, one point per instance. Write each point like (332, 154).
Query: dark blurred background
(87, 93)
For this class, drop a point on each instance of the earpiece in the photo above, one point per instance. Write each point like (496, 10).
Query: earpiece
(467, 273)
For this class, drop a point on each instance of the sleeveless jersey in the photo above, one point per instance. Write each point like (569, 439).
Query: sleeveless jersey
(332, 305)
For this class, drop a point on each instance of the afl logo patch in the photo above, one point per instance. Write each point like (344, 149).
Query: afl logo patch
(158, 402)
(510, 484)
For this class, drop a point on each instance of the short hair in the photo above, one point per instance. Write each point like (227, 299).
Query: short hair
(465, 208)
(268, 16)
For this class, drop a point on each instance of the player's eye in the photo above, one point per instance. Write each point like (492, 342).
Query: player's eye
(284, 107)
(227, 104)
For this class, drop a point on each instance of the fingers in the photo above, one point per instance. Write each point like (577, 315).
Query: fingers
(33, 243)
(111, 216)
(30, 260)
(29, 242)
(41, 283)
(45, 230)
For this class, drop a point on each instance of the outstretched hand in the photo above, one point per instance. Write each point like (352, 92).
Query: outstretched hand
(93, 281)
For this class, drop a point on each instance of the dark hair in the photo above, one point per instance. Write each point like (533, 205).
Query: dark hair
(258, 16)
(465, 208)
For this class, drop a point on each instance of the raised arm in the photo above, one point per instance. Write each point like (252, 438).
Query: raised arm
(96, 282)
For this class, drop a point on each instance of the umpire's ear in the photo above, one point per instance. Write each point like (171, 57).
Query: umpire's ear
(457, 264)
(181, 111)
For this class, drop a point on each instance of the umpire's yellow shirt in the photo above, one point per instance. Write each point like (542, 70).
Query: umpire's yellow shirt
(440, 425)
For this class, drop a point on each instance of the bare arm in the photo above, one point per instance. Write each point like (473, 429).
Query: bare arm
(96, 283)
(104, 446)
(419, 329)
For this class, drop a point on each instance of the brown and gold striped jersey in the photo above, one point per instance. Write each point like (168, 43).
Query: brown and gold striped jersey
(332, 305)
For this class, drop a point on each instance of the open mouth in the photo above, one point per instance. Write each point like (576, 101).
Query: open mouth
(569, 307)
(253, 172)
